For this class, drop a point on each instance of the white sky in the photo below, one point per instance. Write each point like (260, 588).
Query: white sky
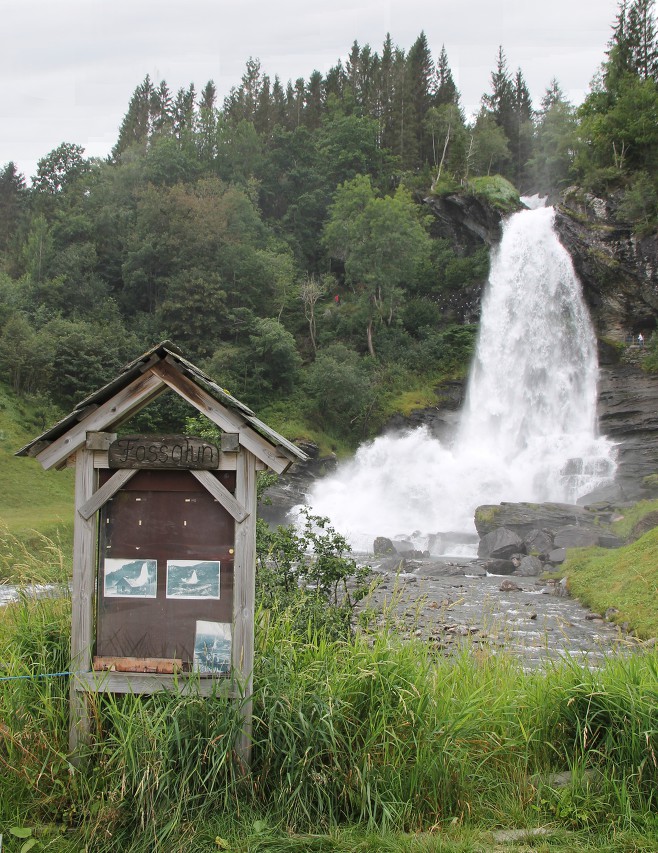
(69, 67)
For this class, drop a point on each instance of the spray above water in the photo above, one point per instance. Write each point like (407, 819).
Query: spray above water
(528, 428)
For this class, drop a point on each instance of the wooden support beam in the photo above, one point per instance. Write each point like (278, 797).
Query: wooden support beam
(131, 398)
(244, 598)
(152, 682)
(107, 490)
(222, 494)
(82, 598)
(224, 418)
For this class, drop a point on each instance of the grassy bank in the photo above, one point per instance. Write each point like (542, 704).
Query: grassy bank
(623, 581)
(33, 503)
(363, 744)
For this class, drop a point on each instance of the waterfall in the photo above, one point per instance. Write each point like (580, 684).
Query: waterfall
(528, 428)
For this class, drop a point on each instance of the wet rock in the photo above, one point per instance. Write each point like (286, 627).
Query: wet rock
(392, 565)
(530, 567)
(439, 570)
(557, 556)
(499, 567)
(523, 518)
(383, 546)
(573, 536)
(500, 544)
(509, 586)
(538, 542)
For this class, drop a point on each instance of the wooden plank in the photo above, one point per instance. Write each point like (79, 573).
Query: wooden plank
(227, 461)
(82, 596)
(151, 682)
(223, 417)
(107, 490)
(128, 400)
(171, 452)
(222, 494)
(100, 440)
(166, 666)
(244, 598)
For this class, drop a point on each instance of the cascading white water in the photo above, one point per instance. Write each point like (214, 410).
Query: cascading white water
(528, 429)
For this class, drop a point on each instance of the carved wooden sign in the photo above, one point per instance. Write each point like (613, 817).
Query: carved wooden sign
(177, 452)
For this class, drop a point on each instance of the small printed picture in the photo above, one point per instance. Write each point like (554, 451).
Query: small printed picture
(193, 578)
(130, 578)
(212, 647)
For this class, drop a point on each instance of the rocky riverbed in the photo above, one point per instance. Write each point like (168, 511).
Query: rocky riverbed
(453, 603)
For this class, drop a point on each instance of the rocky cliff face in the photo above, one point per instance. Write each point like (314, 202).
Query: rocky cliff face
(618, 269)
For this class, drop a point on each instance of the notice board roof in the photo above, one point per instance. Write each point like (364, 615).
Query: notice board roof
(161, 368)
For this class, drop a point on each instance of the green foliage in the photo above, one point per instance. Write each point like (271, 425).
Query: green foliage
(272, 359)
(308, 577)
(640, 203)
(497, 191)
(339, 390)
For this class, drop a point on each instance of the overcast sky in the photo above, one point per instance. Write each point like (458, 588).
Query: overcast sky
(69, 67)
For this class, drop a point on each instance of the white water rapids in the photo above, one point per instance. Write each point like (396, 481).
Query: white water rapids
(528, 428)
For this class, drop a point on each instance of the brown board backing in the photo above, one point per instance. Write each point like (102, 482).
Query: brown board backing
(160, 516)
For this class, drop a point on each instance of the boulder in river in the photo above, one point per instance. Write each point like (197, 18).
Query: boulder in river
(382, 546)
(530, 567)
(500, 544)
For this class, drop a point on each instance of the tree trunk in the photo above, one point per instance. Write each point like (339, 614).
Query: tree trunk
(371, 348)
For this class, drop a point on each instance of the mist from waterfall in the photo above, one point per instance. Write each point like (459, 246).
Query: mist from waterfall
(527, 431)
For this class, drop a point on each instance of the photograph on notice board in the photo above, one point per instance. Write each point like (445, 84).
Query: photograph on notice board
(193, 579)
(212, 647)
(130, 578)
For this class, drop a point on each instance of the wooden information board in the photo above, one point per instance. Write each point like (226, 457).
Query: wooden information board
(165, 572)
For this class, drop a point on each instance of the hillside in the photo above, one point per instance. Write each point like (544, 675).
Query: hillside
(30, 498)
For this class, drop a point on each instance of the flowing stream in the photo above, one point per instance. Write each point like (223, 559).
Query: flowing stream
(528, 428)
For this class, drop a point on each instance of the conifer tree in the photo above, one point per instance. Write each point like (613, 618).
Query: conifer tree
(446, 90)
(385, 88)
(207, 122)
(642, 39)
(12, 203)
(421, 72)
(184, 112)
(136, 125)
(313, 97)
(278, 103)
(161, 110)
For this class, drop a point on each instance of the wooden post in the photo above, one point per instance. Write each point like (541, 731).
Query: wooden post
(244, 596)
(84, 574)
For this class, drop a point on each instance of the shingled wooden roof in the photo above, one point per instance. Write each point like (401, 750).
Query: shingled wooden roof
(161, 368)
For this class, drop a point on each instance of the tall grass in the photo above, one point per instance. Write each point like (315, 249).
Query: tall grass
(370, 735)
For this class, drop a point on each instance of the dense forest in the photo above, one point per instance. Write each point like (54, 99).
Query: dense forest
(282, 238)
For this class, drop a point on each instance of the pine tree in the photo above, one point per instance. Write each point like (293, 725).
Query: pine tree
(446, 90)
(13, 197)
(184, 112)
(161, 110)
(207, 122)
(642, 39)
(385, 89)
(264, 112)
(420, 69)
(314, 105)
(136, 125)
(278, 103)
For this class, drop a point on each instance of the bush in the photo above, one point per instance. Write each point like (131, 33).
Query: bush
(309, 577)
